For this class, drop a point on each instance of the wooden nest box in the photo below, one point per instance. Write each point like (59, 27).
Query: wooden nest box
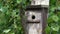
(36, 16)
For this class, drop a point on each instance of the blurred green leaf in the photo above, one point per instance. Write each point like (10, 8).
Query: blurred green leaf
(55, 18)
(55, 28)
(18, 1)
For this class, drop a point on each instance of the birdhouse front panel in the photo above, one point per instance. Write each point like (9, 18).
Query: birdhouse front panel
(34, 22)
(33, 16)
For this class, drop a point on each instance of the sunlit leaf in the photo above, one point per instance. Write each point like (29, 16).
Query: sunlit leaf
(7, 30)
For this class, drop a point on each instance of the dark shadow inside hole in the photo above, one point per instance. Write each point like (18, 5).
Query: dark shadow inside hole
(33, 17)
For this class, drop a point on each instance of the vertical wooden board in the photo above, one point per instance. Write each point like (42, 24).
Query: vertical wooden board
(35, 28)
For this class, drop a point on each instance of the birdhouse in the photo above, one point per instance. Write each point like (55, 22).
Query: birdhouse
(35, 18)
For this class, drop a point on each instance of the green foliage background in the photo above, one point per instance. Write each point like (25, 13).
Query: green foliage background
(53, 21)
(9, 16)
(10, 19)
